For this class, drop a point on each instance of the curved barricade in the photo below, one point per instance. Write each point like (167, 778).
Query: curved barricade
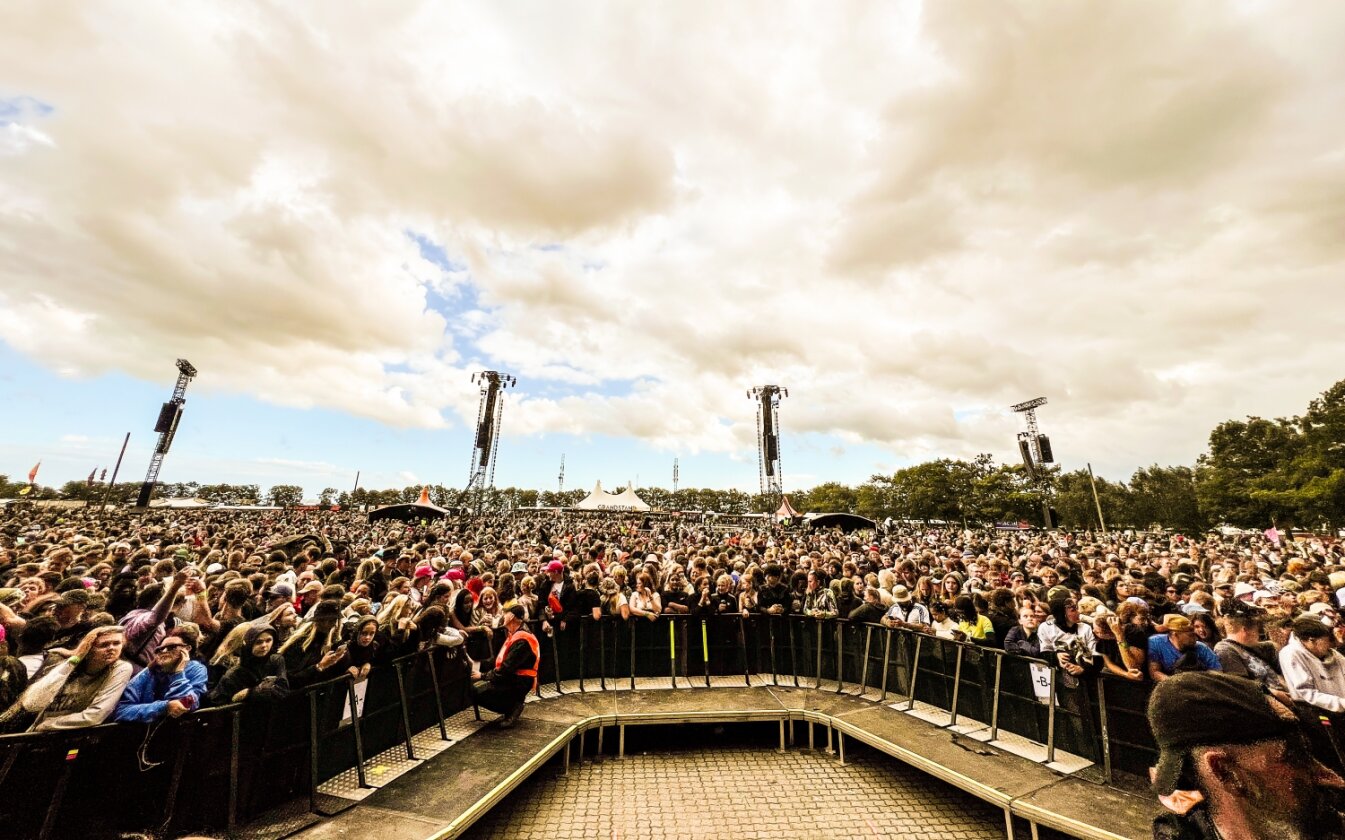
(219, 768)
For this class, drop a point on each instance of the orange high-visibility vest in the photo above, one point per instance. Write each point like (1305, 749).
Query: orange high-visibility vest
(536, 655)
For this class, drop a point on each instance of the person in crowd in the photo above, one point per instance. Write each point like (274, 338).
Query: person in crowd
(1118, 658)
(1233, 763)
(871, 610)
(260, 672)
(173, 685)
(906, 611)
(971, 625)
(677, 596)
(80, 690)
(1022, 637)
(1242, 652)
(644, 601)
(504, 688)
(13, 674)
(1313, 669)
(614, 603)
(941, 622)
(820, 602)
(147, 624)
(774, 596)
(314, 652)
(1178, 650)
(362, 648)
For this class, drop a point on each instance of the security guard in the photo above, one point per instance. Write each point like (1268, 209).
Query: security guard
(505, 687)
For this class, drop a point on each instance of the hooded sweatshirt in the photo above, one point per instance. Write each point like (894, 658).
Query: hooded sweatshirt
(251, 671)
(1318, 683)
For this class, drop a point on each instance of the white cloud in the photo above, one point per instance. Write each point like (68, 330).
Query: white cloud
(911, 217)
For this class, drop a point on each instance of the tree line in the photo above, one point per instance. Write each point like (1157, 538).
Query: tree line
(1256, 473)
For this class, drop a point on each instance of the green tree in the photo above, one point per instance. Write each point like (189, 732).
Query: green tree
(285, 495)
(1236, 480)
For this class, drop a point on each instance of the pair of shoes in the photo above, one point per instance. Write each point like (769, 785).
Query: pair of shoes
(511, 718)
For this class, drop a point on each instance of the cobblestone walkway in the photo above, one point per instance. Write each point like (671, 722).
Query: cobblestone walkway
(738, 793)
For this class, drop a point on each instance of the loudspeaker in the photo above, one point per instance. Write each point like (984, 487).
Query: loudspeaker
(1026, 452)
(165, 417)
(1044, 447)
(1053, 517)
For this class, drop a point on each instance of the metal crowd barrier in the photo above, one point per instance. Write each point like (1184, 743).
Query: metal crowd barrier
(222, 767)
(219, 768)
(1099, 717)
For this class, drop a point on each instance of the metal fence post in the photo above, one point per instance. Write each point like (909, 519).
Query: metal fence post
(439, 702)
(742, 646)
(355, 714)
(406, 715)
(915, 670)
(957, 683)
(312, 750)
(235, 737)
(887, 660)
(630, 625)
(705, 653)
(1050, 720)
(770, 631)
(818, 673)
(602, 651)
(840, 656)
(1106, 737)
(994, 709)
(583, 622)
(864, 672)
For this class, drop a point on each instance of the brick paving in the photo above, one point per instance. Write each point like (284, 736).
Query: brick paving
(738, 792)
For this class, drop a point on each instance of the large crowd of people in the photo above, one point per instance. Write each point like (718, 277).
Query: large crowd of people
(137, 615)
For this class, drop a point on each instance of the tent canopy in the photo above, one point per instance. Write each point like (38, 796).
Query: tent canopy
(845, 521)
(786, 510)
(600, 500)
(179, 503)
(421, 509)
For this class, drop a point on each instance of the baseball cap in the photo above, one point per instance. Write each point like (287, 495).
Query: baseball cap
(555, 566)
(281, 590)
(1203, 708)
(519, 567)
(1193, 609)
(423, 571)
(1243, 588)
(454, 574)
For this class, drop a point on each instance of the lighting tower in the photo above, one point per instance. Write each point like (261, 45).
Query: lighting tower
(170, 414)
(487, 434)
(1035, 449)
(675, 475)
(768, 436)
(560, 479)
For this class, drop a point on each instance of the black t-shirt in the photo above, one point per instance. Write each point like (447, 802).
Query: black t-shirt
(772, 595)
(585, 600)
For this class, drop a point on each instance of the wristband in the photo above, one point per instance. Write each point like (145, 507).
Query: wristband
(75, 660)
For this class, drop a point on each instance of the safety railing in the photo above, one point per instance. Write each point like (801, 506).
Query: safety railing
(219, 768)
(1098, 717)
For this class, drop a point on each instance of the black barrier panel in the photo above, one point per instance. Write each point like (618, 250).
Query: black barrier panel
(898, 653)
(1132, 741)
(854, 636)
(934, 682)
(1021, 711)
(274, 756)
(37, 770)
(336, 731)
(381, 712)
(975, 682)
(203, 796)
(723, 641)
(650, 646)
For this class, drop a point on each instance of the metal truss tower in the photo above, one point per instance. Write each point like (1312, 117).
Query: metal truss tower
(487, 439)
(769, 472)
(170, 414)
(1035, 449)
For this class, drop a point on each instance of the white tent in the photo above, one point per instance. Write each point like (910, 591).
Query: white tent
(600, 500)
(179, 503)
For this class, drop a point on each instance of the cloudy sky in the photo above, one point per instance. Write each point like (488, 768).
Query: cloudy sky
(910, 215)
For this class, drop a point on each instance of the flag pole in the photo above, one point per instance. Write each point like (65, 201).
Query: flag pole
(108, 490)
(1096, 502)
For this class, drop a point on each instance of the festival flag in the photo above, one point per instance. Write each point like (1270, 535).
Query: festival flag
(103, 477)
(92, 473)
(1273, 534)
(32, 474)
